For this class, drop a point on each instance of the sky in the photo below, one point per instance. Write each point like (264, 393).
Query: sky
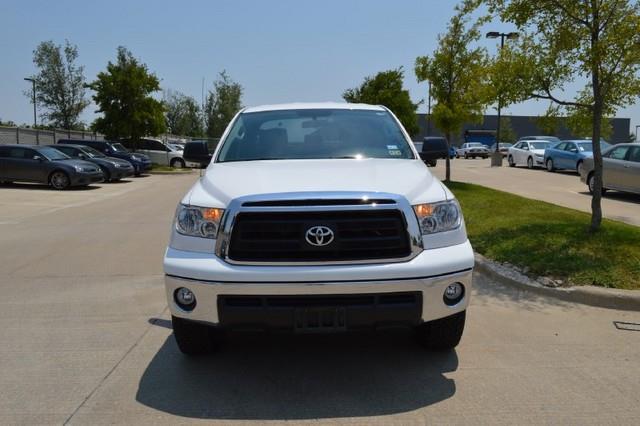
(279, 50)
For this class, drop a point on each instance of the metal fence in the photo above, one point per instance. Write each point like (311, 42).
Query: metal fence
(20, 135)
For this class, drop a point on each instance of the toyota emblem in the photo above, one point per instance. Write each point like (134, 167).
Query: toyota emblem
(319, 236)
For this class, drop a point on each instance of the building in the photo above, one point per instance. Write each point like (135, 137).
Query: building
(522, 126)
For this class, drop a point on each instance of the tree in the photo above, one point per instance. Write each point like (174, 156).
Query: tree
(549, 122)
(507, 134)
(594, 42)
(60, 84)
(223, 102)
(183, 115)
(123, 95)
(385, 88)
(457, 74)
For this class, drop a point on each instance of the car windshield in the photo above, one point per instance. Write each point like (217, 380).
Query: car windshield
(476, 145)
(539, 145)
(117, 147)
(588, 146)
(52, 154)
(314, 134)
(92, 152)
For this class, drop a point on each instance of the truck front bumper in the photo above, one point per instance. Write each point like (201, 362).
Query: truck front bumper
(221, 290)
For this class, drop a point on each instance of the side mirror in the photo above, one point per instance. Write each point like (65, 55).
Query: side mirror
(197, 152)
(433, 149)
(82, 156)
(38, 158)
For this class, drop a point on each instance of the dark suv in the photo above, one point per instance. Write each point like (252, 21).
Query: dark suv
(140, 162)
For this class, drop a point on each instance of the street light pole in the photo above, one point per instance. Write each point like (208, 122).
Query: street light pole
(33, 82)
(429, 111)
(637, 132)
(496, 157)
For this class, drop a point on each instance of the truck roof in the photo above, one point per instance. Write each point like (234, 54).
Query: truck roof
(313, 105)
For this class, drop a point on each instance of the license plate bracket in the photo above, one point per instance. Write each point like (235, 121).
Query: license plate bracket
(326, 319)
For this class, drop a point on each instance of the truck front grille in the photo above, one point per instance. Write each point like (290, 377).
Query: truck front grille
(281, 236)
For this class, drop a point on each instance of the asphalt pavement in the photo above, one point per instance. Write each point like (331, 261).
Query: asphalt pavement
(561, 187)
(85, 339)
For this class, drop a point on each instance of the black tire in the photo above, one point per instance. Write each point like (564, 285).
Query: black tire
(590, 184)
(5, 182)
(59, 180)
(473, 157)
(193, 338)
(549, 164)
(177, 163)
(530, 162)
(578, 166)
(510, 161)
(106, 175)
(466, 156)
(443, 334)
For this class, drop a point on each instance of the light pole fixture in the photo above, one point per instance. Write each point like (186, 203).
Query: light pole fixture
(496, 157)
(637, 132)
(33, 82)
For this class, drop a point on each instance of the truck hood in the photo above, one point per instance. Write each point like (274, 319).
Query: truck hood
(224, 182)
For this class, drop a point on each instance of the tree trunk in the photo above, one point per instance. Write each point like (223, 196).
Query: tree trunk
(596, 200)
(448, 160)
(598, 106)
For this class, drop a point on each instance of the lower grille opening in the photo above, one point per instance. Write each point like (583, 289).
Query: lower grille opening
(320, 313)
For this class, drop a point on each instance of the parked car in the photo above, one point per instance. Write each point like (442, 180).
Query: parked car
(330, 229)
(504, 148)
(419, 145)
(569, 154)
(45, 164)
(112, 168)
(157, 151)
(528, 153)
(140, 162)
(552, 139)
(473, 150)
(430, 144)
(620, 169)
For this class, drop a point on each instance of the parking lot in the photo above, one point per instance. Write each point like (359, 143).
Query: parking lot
(85, 338)
(561, 187)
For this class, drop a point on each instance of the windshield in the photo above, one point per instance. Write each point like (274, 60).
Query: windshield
(117, 147)
(314, 134)
(92, 152)
(476, 145)
(588, 146)
(539, 145)
(52, 153)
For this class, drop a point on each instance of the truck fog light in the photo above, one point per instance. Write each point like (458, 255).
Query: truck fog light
(185, 298)
(453, 293)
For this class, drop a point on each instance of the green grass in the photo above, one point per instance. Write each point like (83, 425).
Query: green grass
(550, 240)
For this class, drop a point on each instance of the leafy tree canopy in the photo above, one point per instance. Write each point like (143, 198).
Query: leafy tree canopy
(60, 84)
(385, 88)
(123, 95)
(223, 102)
(183, 115)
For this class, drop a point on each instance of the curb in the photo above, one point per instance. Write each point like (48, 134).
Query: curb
(628, 300)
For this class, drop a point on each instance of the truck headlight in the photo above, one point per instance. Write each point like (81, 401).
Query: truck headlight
(438, 217)
(200, 222)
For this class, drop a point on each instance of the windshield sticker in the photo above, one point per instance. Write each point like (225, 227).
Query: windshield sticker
(390, 147)
(395, 152)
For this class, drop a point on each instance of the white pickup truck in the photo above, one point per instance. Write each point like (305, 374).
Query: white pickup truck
(317, 218)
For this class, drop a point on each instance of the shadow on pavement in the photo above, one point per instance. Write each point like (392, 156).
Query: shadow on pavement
(618, 196)
(280, 377)
(42, 187)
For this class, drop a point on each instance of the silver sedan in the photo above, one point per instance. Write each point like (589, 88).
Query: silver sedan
(621, 169)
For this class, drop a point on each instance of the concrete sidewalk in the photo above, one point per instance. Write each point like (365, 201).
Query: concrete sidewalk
(563, 187)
